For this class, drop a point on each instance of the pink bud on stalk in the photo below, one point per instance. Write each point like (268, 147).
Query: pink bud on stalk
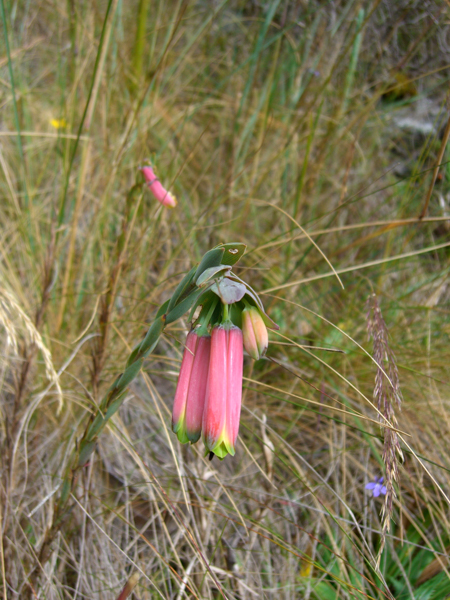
(224, 391)
(191, 388)
(157, 189)
(256, 338)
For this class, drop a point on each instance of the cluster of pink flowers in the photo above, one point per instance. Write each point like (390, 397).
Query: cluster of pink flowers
(209, 391)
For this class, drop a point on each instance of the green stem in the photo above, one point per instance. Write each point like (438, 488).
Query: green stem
(226, 314)
(205, 316)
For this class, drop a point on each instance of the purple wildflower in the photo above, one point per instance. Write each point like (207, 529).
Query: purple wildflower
(377, 487)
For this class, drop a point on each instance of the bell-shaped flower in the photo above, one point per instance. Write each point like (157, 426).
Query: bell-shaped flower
(256, 338)
(224, 390)
(189, 400)
(157, 189)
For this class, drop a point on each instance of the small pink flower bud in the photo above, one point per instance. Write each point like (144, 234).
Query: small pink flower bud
(157, 189)
(224, 391)
(256, 338)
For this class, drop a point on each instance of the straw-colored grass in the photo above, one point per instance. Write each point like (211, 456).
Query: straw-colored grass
(309, 131)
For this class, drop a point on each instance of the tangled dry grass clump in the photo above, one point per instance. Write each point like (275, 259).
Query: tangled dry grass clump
(310, 132)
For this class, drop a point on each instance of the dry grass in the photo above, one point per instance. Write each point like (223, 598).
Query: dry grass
(275, 124)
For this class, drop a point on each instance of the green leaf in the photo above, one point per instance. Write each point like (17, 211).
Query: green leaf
(65, 491)
(233, 253)
(163, 308)
(180, 289)
(129, 374)
(325, 591)
(212, 258)
(152, 337)
(114, 407)
(86, 450)
(94, 429)
(210, 273)
(184, 306)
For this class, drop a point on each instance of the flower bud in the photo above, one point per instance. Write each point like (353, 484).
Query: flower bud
(256, 338)
(157, 189)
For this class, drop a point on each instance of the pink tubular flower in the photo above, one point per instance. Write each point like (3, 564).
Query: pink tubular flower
(197, 389)
(157, 189)
(256, 338)
(189, 400)
(224, 391)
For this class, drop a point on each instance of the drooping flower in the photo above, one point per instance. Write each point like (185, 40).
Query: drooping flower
(209, 391)
(197, 388)
(179, 404)
(189, 400)
(157, 189)
(377, 487)
(256, 338)
(224, 390)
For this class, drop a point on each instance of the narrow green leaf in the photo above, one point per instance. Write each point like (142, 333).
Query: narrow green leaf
(233, 253)
(130, 373)
(152, 337)
(114, 407)
(181, 287)
(210, 273)
(130, 361)
(212, 258)
(86, 450)
(163, 308)
(184, 306)
(65, 491)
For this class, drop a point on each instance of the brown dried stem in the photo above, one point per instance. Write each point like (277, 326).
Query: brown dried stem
(387, 395)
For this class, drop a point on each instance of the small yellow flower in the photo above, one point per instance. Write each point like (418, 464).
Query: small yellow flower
(58, 123)
(305, 568)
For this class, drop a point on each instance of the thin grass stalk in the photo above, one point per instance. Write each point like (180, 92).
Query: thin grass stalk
(139, 45)
(132, 205)
(350, 76)
(73, 234)
(99, 61)
(440, 156)
(16, 113)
